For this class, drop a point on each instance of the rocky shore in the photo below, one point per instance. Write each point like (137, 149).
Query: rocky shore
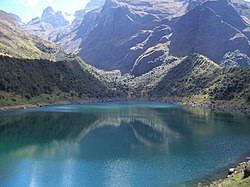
(214, 106)
(237, 176)
(211, 106)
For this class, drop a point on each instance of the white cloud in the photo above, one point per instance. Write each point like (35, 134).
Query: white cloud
(33, 4)
(29, 3)
(50, 2)
(19, 1)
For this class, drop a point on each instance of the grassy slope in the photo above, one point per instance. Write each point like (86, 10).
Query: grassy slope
(24, 81)
(16, 43)
(198, 79)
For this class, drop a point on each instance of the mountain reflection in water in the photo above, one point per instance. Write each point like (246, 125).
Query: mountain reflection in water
(118, 144)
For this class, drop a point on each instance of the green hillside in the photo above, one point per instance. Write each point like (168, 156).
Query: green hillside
(193, 79)
(25, 81)
(189, 77)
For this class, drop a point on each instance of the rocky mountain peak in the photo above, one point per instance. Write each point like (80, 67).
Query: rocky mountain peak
(48, 12)
(56, 19)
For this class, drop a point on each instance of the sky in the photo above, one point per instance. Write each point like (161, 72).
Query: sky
(28, 9)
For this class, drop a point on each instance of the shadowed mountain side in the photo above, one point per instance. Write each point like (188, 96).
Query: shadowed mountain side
(124, 39)
(123, 32)
(203, 31)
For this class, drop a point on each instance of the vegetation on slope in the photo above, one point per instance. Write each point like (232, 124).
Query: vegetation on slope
(189, 77)
(31, 81)
(196, 79)
(231, 83)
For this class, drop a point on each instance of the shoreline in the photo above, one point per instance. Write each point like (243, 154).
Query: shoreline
(217, 177)
(226, 179)
(213, 106)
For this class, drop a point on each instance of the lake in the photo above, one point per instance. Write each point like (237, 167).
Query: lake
(118, 144)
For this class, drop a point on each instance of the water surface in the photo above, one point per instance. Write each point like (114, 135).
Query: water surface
(118, 144)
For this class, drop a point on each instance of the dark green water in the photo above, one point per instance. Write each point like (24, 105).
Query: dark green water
(118, 144)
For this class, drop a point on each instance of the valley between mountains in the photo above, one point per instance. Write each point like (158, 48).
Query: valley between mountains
(189, 51)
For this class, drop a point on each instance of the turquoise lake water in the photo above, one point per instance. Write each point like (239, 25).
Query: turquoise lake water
(118, 144)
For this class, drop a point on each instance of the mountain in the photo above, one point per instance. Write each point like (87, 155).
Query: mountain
(14, 42)
(93, 4)
(194, 79)
(185, 50)
(34, 70)
(136, 36)
(79, 29)
(55, 27)
(119, 29)
(51, 26)
(29, 79)
(242, 8)
(56, 19)
(216, 30)
(198, 79)
(234, 59)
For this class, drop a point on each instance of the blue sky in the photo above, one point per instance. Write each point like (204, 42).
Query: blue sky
(28, 9)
